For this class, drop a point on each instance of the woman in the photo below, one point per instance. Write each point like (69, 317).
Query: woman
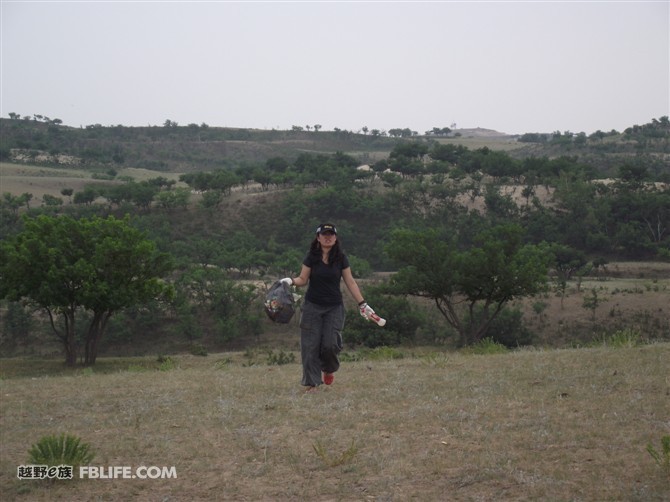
(322, 317)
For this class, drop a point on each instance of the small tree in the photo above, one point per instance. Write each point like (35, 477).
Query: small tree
(567, 261)
(591, 302)
(65, 266)
(51, 200)
(469, 286)
(67, 192)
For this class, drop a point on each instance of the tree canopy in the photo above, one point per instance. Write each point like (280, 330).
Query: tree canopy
(470, 286)
(66, 266)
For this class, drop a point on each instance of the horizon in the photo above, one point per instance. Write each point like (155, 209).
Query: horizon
(455, 129)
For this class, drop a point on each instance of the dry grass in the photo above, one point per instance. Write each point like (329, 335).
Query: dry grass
(527, 425)
(474, 142)
(39, 180)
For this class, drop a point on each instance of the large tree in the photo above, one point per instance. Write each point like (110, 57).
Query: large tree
(67, 266)
(470, 286)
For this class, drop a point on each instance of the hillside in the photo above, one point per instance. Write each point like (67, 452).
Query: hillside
(175, 149)
(172, 148)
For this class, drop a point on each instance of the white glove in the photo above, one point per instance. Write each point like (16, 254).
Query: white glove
(366, 310)
(287, 280)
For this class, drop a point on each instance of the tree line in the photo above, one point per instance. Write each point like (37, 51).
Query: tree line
(627, 218)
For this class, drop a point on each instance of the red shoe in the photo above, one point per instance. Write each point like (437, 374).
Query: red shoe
(328, 378)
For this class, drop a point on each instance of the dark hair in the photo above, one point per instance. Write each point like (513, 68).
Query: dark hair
(335, 254)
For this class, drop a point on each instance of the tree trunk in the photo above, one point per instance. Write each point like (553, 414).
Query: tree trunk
(71, 349)
(96, 329)
(91, 335)
(70, 355)
(67, 336)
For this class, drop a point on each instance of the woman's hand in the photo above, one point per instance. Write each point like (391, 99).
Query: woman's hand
(365, 310)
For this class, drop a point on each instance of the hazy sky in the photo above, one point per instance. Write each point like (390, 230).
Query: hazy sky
(525, 66)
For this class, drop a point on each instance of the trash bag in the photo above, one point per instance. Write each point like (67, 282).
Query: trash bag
(279, 303)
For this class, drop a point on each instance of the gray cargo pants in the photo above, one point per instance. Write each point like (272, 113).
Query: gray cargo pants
(320, 340)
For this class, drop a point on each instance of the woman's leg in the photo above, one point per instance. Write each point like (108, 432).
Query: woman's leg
(331, 338)
(310, 344)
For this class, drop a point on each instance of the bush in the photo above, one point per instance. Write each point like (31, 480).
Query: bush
(198, 349)
(55, 450)
(403, 321)
(508, 329)
(18, 324)
(166, 363)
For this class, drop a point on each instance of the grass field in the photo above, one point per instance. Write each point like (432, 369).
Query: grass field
(524, 425)
(37, 180)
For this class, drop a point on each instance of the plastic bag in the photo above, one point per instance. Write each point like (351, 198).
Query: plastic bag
(279, 303)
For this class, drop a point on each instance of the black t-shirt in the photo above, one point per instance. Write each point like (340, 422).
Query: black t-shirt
(324, 280)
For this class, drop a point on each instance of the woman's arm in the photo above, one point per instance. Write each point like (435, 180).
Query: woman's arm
(352, 285)
(303, 278)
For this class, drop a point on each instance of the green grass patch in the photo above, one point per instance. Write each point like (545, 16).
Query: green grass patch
(487, 346)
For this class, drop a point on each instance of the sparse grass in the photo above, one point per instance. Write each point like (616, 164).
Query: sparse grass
(662, 456)
(280, 357)
(375, 354)
(37, 368)
(334, 461)
(487, 346)
(624, 302)
(622, 338)
(521, 425)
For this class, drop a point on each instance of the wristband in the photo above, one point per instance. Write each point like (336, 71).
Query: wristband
(361, 303)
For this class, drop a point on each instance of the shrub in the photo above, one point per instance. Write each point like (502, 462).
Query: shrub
(166, 363)
(403, 322)
(198, 349)
(508, 329)
(55, 450)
